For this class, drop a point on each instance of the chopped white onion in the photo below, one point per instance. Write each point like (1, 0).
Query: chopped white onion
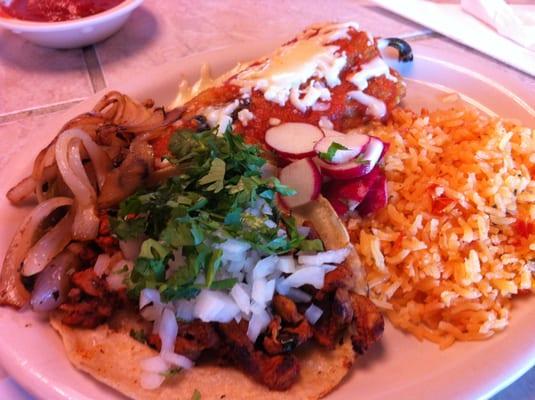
(119, 272)
(177, 360)
(235, 266)
(281, 287)
(258, 291)
(264, 207)
(270, 224)
(298, 295)
(325, 257)
(257, 308)
(251, 260)
(241, 298)
(152, 313)
(286, 264)
(154, 364)
(215, 306)
(148, 296)
(270, 290)
(306, 276)
(184, 309)
(265, 267)
(328, 267)
(313, 313)
(258, 322)
(168, 330)
(151, 380)
(102, 264)
(263, 290)
(233, 249)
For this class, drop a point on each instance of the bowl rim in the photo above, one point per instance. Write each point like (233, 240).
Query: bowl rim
(124, 7)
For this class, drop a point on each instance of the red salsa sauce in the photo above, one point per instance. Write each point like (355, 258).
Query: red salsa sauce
(56, 10)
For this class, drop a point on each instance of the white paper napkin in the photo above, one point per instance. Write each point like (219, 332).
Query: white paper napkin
(452, 21)
(517, 26)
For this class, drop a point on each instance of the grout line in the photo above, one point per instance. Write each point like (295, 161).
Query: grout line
(97, 57)
(96, 75)
(38, 111)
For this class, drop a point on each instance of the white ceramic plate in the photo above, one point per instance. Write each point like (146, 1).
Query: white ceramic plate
(400, 367)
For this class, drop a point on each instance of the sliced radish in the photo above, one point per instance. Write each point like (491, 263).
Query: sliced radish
(373, 151)
(293, 139)
(358, 167)
(347, 194)
(304, 177)
(376, 198)
(339, 206)
(354, 144)
(348, 170)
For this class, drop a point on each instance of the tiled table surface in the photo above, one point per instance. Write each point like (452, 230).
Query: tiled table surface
(38, 83)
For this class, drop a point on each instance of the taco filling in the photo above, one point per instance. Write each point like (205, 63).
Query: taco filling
(207, 239)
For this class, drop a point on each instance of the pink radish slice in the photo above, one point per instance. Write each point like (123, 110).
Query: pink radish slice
(304, 177)
(353, 169)
(354, 143)
(347, 194)
(376, 198)
(293, 139)
(339, 206)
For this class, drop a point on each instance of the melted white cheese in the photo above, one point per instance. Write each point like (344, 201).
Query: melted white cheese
(321, 106)
(245, 116)
(373, 69)
(220, 116)
(274, 121)
(375, 107)
(280, 75)
(302, 99)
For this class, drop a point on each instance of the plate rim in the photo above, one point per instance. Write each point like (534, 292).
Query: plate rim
(38, 386)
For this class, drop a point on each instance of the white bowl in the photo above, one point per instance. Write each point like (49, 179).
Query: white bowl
(74, 33)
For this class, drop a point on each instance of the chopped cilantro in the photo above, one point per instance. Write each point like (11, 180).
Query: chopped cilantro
(223, 284)
(196, 395)
(151, 249)
(207, 203)
(212, 266)
(128, 230)
(215, 176)
(311, 245)
(331, 151)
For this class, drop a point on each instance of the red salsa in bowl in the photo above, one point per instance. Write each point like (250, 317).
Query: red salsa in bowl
(55, 10)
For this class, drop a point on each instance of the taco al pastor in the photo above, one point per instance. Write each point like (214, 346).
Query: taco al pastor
(192, 249)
